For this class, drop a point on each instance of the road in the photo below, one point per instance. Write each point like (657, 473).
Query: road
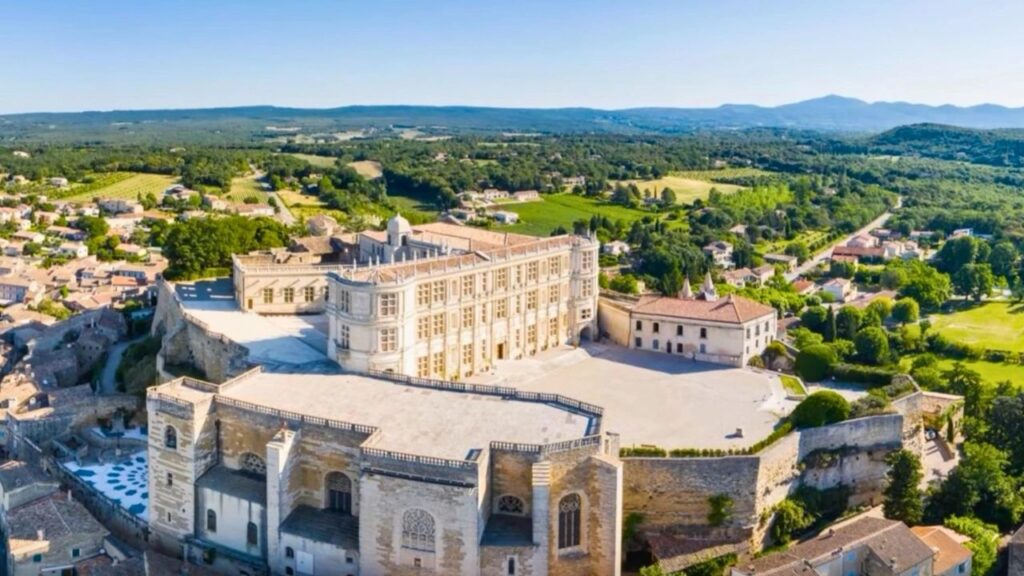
(823, 255)
(108, 384)
(282, 213)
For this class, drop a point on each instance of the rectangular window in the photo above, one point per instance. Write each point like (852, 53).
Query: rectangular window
(268, 295)
(679, 330)
(639, 325)
(388, 340)
(467, 355)
(343, 337)
(423, 367)
(656, 327)
(552, 294)
(531, 300)
(501, 309)
(552, 327)
(344, 301)
(518, 300)
(757, 330)
(586, 314)
(531, 334)
(483, 283)
(467, 285)
(531, 271)
(423, 327)
(439, 364)
(388, 304)
(439, 292)
(588, 261)
(555, 266)
(439, 324)
(309, 293)
(289, 295)
(587, 288)
(638, 343)
(423, 295)
(467, 317)
(483, 314)
(501, 278)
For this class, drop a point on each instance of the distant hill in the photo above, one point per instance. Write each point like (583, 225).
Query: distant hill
(830, 113)
(1004, 147)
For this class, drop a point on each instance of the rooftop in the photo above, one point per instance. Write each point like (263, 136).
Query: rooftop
(341, 530)
(947, 544)
(420, 421)
(238, 484)
(56, 516)
(891, 541)
(731, 309)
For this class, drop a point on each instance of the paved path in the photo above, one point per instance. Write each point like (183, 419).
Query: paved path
(283, 213)
(108, 384)
(820, 257)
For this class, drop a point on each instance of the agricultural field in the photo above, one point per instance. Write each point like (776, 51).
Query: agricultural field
(304, 206)
(687, 189)
(321, 161)
(414, 209)
(554, 210)
(125, 185)
(725, 174)
(244, 186)
(808, 237)
(995, 325)
(368, 169)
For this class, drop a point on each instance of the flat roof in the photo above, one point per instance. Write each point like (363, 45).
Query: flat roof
(413, 420)
(653, 397)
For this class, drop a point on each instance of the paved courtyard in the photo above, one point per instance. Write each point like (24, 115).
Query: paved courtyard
(653, 398)
(279, 343)
(124, 481)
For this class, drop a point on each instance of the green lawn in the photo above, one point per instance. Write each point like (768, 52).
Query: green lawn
(128, 188)
(554, 210)
(991, 372)
(995, 325)
(368, 169)
(321, 161)
(687, 189)
(791, 384)
(414, 209)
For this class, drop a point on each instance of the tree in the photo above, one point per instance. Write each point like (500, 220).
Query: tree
(668, 196)
(980, 487)
(814, 318)
(881, 308)
(925, 284)
(1003, 259)
(672, 281)
(983, 543)
(831, 329)
(814, 362)
(819, 409)
(906, 310)
(959, 252)
(798, 249)
(848, 322)
(790, 519)
(872, 346)
(974, 280)
(93, 226)
(903, 498)
(625, 283)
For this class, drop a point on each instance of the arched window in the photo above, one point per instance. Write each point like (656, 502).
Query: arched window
(252, 534)
(253, 464)
(170, 438)
(338, 492)
(509, 504)
(418, 530)
(211, 521)
(569, 509)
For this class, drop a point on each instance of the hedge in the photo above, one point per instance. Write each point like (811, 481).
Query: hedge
(873, 375)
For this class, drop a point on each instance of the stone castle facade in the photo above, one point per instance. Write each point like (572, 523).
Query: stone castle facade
(237, 483)
(436, 300)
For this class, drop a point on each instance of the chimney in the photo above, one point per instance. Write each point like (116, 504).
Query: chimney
(40, 534)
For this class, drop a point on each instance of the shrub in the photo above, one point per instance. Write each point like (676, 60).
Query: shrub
(872, 346)
(872, 375)
(906, 310)
(643, 451)
(721, 509)
(813, 362)
(870, 405)
(819, 409)
(984, 541)
(790, 519)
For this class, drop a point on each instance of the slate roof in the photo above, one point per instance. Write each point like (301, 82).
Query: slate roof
(341, 530)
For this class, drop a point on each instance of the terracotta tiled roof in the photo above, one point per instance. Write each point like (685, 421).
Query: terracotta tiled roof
(949, 551)
(858, 251)
(731, 309)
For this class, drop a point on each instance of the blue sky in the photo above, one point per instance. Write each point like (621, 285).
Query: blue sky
(119, 54)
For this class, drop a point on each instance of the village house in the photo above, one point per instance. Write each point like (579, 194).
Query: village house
(322, 225)
(526, 195)
(254, 210)
(720, 253)
(804, 287)
(867, 546)
(116, 206)
(615, 248)
(49, 535)
(505, 217)
(73, 250)
(28, 236)
(215, 203)
(66, 233)
(492, 194)
(862, 241)
(841, 289)
(764, 273)
(15, 289)
(789, 262)
(59, 182)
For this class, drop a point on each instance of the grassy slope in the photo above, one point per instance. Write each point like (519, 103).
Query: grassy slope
(321, 161)
(129, 188)
(245, 186)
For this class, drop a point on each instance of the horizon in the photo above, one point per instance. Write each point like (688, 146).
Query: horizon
(123, 56)
(476, 106)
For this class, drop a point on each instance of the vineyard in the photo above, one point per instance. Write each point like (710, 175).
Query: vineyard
(119, 185)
